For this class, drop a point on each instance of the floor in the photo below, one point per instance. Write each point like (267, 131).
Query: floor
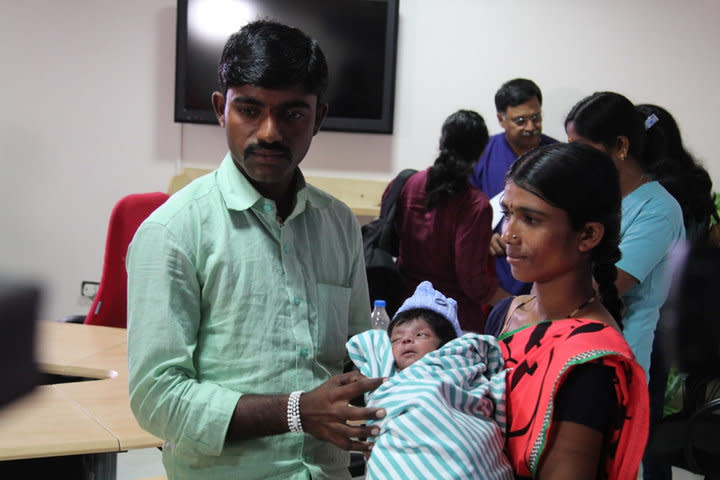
(140, 464)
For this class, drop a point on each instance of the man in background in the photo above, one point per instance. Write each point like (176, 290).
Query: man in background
(245, 285)
(519, 111)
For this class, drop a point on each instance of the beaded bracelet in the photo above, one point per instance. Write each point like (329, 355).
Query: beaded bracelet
(293, 412)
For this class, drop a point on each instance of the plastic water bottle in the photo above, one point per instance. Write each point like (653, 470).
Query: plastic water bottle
(379, 316)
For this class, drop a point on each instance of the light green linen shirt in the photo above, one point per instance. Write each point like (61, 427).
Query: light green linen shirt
(224, 300)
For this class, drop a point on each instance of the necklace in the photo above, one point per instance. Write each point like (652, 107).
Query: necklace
(520, 305)
(570, 315)
(583, 305)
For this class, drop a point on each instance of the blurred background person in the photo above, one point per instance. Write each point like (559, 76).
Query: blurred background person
(690, 184)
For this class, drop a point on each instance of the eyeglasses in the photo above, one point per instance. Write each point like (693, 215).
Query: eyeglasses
(522, 121)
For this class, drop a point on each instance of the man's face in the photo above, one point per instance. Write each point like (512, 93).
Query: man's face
(268, 132)
(523, 125)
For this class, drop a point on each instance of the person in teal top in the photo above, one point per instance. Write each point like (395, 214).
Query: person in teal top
(245, 285)
(651, 224)
(652, 221)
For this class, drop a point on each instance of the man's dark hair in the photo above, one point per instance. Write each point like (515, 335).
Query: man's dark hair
(516, 92)
(268, 54)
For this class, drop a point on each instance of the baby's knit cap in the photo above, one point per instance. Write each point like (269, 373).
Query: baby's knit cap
(427, 297)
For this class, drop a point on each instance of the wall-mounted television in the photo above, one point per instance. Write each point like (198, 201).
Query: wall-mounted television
(358, 37)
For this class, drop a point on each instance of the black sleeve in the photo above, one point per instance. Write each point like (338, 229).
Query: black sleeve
(497, 315)
(588, 397)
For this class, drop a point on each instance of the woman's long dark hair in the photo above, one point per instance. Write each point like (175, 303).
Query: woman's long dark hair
(582, 181)
(604, 116)
(680, 173)
(464, 136)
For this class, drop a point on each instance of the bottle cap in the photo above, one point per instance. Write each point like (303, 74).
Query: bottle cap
(379, 303)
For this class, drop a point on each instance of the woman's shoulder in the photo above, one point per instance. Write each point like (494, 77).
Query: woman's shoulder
(650, 205)
(477, 197)
(654, 198)
(577, 335)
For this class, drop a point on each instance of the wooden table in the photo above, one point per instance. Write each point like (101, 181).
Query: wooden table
(360, 194)
(90, 418)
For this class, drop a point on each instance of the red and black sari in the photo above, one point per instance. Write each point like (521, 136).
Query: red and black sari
(541, 356)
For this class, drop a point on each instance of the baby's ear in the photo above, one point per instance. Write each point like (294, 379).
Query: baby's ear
(590, 236)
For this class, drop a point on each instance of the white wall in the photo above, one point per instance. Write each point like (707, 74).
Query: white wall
(86, 94)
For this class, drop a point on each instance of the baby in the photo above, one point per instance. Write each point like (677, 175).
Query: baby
(422, 325)
(444, 394)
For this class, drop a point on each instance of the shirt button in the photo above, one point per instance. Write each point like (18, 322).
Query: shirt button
(296, 300)
(286, 248)
(304, 351)
(267, 207)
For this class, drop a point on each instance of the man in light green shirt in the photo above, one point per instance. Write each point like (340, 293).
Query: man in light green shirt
(245, 285)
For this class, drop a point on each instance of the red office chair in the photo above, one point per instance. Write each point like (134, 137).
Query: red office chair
(109, 306)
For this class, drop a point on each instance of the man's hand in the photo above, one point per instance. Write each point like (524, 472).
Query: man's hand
(497, 246)
(326, 410)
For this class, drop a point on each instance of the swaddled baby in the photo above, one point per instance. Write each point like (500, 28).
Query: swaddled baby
(444, 397)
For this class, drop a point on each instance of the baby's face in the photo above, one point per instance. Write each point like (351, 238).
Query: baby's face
(411, 341)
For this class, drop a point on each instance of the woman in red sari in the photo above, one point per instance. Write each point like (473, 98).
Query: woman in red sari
(577, 400)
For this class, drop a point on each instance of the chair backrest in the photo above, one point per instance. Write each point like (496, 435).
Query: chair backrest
(109, 306)
(19, 305)
(702, 449)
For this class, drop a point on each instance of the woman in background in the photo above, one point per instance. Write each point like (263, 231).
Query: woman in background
(680, 173)
(691, 186)
(652, 221)
(444, 225)
(577, 400)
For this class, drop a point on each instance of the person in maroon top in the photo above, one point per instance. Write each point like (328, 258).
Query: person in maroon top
(444, 225)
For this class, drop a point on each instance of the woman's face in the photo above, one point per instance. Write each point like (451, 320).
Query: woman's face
(573, 136)
(540, 245)
(411, 341)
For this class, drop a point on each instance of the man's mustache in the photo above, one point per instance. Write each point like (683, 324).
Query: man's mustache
(534, 133)
(275, 146)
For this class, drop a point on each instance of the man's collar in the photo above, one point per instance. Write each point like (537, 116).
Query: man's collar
(239, 194)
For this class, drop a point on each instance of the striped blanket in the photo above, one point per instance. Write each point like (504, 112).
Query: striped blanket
(445, 413)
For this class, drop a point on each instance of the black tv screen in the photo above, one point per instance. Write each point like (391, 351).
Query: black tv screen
(358, 37)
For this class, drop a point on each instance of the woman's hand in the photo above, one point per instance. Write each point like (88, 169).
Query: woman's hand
(497, 246)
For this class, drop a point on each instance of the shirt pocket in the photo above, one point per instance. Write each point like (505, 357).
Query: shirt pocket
(333, 323)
